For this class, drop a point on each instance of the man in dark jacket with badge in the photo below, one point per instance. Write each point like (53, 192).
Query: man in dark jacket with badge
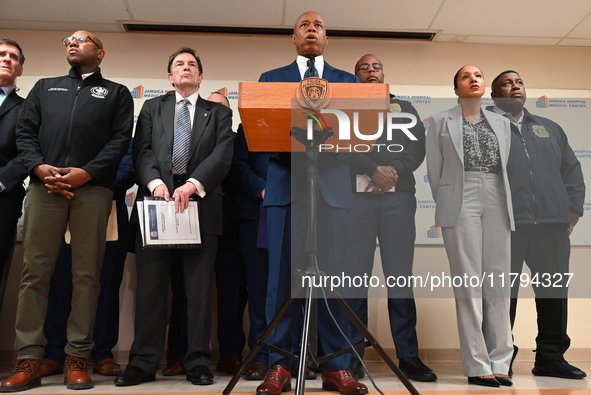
(548, 193)
(72, 133)
(384, 206)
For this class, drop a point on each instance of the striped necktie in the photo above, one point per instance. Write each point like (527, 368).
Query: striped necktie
(182, 138)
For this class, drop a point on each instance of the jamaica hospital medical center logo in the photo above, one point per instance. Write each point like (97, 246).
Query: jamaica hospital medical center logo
(545, 102)
(139, 92)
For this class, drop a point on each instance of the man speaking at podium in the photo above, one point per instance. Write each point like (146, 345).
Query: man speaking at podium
(287, 189)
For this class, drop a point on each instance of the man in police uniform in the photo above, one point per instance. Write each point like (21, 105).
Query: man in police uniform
(385, 209)
(548, 193)
(71, 135)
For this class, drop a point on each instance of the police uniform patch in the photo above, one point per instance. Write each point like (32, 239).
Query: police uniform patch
(540, 131)
(395, 107)
(313, 93)
(99, 92)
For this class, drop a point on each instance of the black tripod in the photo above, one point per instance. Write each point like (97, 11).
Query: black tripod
(311, 271)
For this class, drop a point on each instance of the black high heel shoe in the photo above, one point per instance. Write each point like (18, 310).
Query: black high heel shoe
(506, 381)
(485, 382)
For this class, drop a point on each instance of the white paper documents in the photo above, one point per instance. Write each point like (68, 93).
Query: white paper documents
(162, 227)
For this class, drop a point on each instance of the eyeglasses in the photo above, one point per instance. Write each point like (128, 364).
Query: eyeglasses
(80, 38)
(366, 66)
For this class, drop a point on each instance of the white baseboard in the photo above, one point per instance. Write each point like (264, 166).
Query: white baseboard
(7, 357)
(454, 355)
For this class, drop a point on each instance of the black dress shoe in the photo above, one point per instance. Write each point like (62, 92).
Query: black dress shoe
(356, 369)
(560, 369)
(504, 381)
(414, 369)
(200, 375)
(133, 376)
(485, 382)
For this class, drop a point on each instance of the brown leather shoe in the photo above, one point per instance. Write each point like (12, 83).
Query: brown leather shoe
(256, 371)
(76, 373)
(50, 367)
(106, 367)
(342, 381)
(175, 370)
(26, 374)
(228, 365)
(277, 380)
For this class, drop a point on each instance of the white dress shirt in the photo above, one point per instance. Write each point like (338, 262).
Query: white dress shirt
(153, 184)
(303, 65)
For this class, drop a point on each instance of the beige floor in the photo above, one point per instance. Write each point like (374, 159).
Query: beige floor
(450, 382)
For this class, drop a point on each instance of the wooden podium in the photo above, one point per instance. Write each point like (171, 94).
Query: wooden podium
(269, 111)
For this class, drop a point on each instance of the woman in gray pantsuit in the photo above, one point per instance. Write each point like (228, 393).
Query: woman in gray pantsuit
(467, 152)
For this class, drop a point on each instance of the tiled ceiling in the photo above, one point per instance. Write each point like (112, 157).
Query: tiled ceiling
(529, 22)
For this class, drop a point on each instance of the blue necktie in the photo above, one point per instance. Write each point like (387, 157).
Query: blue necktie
(2, 96)
(311, 70)
(182, 138)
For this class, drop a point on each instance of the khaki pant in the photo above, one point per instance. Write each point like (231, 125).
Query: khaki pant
(45, 221)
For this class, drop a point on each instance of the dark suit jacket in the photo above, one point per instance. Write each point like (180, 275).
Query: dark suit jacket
(210, 152)
(288, 172)
(249, 177)
(12, 169)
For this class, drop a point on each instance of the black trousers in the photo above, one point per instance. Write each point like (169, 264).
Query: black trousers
(545, 249)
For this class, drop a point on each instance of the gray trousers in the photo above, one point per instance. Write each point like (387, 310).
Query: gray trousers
(478, 249)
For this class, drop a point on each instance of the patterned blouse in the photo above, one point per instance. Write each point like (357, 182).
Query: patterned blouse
(481, 147)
